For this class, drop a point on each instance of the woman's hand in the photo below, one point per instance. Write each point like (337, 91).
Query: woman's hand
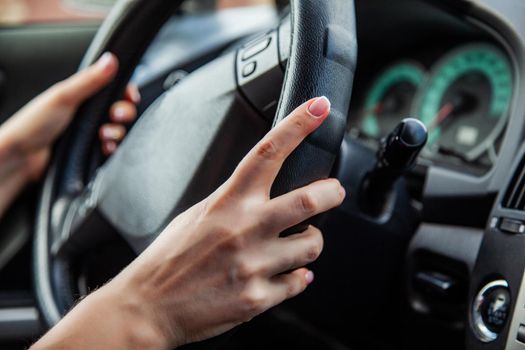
(217, 265)
(27, 137)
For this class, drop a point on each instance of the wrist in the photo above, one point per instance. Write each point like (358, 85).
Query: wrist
(18, 161)
(13, 159)
(130, 316)
(103, 320)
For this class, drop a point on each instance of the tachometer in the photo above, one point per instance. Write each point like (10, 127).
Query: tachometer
(390, 98)
(466, 101)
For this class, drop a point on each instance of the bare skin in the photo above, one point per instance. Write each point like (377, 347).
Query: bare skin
(27, 137)
(217, 265)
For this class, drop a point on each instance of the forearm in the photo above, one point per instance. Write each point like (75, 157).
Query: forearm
(105, 319)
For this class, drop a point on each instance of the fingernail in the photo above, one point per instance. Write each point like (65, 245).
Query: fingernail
(106, 60)
(342, 192)
(111, 133)
(120, 114)
(110, 147)
(319, 107)
(135, 96)
(309, 277)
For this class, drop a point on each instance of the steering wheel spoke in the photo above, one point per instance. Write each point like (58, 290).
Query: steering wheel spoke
(77, 223)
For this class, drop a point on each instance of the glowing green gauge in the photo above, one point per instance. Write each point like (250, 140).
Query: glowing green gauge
(466, 101)
(390, 98)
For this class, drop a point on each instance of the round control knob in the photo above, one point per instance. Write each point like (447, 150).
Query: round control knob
(490, 310)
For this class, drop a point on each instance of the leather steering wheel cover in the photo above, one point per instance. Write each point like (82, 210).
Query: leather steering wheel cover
(127, 32)
(322, 61)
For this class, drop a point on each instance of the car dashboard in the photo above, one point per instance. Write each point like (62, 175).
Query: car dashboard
(462, 97)
(423, 63)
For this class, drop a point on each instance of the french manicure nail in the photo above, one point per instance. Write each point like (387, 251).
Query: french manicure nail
(309, 277)
(319, 107)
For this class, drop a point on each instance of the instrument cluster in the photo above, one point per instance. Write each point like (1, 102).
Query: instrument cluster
(463, 99)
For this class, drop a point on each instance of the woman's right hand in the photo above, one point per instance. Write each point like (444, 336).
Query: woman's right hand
(223, 262)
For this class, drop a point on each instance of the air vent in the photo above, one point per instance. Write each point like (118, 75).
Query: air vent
(515, 195)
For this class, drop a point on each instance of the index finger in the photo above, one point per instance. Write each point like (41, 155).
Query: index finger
(258, 170)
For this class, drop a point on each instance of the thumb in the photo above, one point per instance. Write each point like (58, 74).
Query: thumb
(84, 84)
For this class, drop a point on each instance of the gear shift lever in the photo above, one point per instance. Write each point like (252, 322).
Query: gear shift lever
(396, 155)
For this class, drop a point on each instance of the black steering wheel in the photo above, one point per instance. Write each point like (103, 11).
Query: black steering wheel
(191, 138)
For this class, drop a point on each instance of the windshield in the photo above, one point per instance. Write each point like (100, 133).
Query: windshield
(19, 12)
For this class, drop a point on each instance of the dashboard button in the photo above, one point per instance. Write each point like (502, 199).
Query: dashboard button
(495, 309)
(490, 310)
(256, 48)
(249, 69)
(512, 226)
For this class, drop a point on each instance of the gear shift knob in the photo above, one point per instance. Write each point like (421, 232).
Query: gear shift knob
(397, 154)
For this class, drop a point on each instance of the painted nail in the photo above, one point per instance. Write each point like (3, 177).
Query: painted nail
(135, 95)
(342, 192)
(111, 133)
(120, 114)
(319, 107)
(106, 60)
(309, 277)
(110, 147)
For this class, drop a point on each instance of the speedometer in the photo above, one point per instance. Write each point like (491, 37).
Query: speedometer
(390, 98)
(466, 101)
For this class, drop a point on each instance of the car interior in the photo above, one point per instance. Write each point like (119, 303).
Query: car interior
(426, 252)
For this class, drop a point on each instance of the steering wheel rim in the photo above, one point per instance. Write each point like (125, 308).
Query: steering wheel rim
(322, 56)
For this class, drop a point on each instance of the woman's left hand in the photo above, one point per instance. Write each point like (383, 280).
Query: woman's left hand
(27, 137)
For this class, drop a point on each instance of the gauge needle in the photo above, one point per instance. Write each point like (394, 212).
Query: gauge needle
(378, 108)
(375, 109)
(443, 114)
